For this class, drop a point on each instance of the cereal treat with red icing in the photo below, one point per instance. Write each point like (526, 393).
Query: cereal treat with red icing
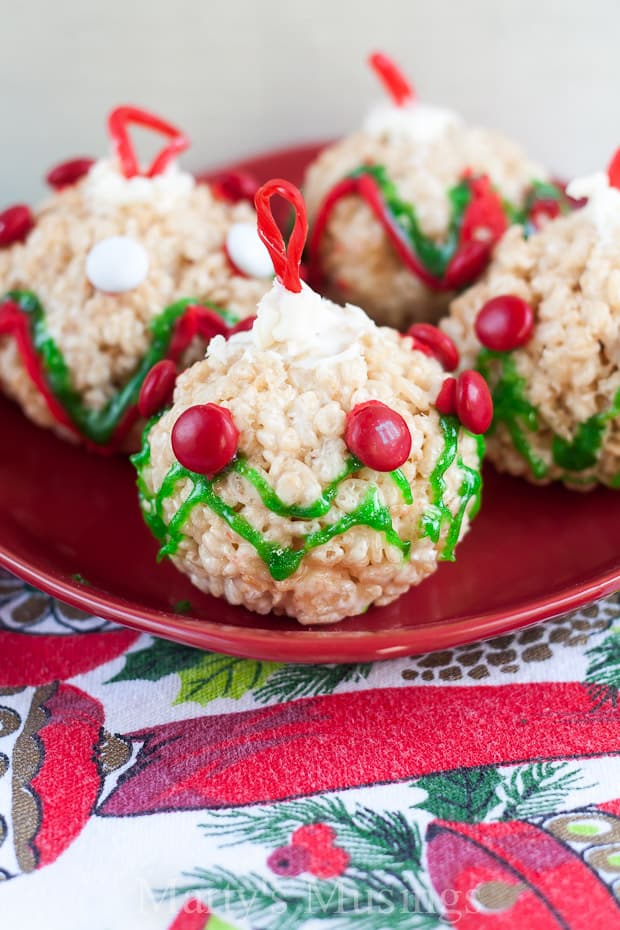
(543, 327)
(407, 211)
(304, 466)
(121, 268)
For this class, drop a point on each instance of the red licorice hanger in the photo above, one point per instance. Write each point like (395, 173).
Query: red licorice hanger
(392, 78)
(286, 261)
(118, 122)
(613, 172)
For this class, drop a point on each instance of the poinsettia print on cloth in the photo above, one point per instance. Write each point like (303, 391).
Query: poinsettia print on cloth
(473, 787)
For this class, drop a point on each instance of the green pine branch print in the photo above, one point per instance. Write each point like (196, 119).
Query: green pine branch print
(386, 840)
(463, 795)
(485, 793)
(603, 672)
(272, 826)
(349, 903)
(383, 882)
(243, 895)
(157, 660)
(384, 859)
(296, 681)
(537, 789)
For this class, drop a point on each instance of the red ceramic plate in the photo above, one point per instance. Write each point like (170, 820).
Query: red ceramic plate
(70, 524)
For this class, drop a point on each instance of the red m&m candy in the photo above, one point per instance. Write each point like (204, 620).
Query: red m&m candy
(15, 224)
(378, 436)
(157, 388)
(432, 341)
(543, 210)
(205, 439)
(235, 186)
(446, 399)
(505, 323)
(68, 172)
(473, 401)
(467, 263)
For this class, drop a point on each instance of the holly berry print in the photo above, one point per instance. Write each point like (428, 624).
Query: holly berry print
(312, 849)
(406, 868)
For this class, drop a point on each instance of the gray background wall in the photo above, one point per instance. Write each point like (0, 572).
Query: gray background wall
(243, 75)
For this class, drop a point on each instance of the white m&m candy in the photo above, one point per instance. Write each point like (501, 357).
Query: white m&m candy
(117, 264)
(247, 252)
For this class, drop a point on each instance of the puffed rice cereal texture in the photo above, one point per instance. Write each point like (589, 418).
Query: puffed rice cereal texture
(104, 336)
(570, 368)
(292, 421)
(357, 261)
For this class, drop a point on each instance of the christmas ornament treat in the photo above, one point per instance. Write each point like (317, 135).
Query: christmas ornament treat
(543, 328)
(408, 210)
(120, 268)
(304, 466)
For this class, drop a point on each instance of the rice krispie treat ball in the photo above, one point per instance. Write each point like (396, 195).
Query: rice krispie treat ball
(407, 210)
(120, 268)
(304, 466)
(543, 327)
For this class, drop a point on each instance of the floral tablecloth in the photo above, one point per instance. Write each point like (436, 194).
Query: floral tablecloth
(149, 785)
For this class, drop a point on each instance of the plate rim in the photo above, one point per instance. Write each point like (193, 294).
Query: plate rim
(315, 644)
(275, 645)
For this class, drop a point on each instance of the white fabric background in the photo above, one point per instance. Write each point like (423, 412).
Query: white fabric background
(242, 75)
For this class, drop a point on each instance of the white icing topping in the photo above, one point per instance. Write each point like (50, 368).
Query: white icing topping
(303, 328)
(247, 251)
(117, 264)
(413, 122)
(105, 188)
(603, 206)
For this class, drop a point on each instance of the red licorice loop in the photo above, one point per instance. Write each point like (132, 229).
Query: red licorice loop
(13, 323)
(469, 260)
(69, 172)
(613, 171)
(242, 326)
(286, 260)
(392, 78)
(118, 122)
(195, 321)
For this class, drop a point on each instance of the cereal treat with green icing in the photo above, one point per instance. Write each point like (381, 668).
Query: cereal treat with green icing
(406, 211)
(304, 466)
(543, 327)
(122, 267)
